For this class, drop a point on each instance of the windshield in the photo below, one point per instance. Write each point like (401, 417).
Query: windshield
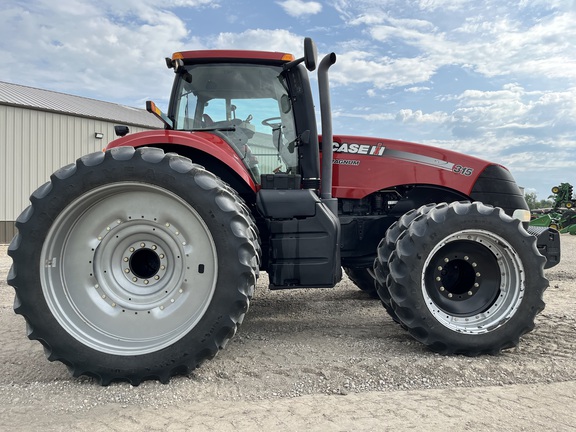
(248, 105)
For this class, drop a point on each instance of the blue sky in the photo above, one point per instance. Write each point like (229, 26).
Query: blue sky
(494, 78)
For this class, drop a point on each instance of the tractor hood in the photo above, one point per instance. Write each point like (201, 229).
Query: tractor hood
(364, 165)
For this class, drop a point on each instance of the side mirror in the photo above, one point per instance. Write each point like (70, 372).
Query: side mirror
(121, 130)
(310, 54)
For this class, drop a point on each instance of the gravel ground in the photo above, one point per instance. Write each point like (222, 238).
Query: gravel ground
(312, 359)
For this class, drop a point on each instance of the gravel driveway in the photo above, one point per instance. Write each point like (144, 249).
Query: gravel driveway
(313, 359)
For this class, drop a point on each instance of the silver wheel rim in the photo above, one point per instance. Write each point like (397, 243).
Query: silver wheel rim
(128, 268)
(510, 291)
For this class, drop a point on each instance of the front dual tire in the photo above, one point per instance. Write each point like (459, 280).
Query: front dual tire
(464, 278)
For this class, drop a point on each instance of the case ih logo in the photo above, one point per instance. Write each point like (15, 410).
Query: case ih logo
(363, 149)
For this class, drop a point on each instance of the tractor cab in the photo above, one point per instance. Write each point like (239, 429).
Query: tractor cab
(247, 98)
(248, 105)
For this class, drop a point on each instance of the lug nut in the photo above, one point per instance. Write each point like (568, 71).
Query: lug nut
(134, 279)
(131, 249)
(470, 293)
(449, 295)
(142, 244)
(127, 270)
(438, 278)
(478, 274)
(442, 289)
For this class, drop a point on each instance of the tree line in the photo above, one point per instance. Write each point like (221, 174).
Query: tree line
(534, 203)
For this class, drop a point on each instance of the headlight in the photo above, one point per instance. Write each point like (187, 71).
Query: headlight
(522, 215)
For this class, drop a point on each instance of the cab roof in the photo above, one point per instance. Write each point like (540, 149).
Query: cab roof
(233, 55)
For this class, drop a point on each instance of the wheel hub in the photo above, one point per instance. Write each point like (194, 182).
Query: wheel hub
(458, 279)
(140, 265)
(463, 278)
(144, 263)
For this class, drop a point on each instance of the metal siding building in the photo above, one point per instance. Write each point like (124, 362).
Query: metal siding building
(41, 131)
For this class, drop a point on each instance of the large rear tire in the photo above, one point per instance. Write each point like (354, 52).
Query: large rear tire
(363, 279)
(133, 265)
(466, 278)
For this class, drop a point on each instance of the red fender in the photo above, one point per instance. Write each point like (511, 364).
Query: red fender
(202, 141)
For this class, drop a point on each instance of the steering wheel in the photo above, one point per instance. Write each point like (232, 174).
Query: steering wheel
(267, 122)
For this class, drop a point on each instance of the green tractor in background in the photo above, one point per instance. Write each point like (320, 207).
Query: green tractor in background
(561, 216)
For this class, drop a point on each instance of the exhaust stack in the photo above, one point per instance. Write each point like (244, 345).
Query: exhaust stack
(326, 118)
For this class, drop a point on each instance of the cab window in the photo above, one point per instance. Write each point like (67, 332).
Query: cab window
(248, 106)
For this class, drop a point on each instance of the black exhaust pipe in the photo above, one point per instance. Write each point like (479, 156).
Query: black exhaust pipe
(327, 140)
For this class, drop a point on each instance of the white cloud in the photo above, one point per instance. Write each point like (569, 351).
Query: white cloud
(536, 115)
(407, 116)
(497, 125)
(446, 5)
(508, 47)
(78, 47)
(272, 40)
(495, 41)
(339, 113)
(298, 8)
(416, 89)
(354, 67)
(545, 4)
(368, 19)
(111, 50)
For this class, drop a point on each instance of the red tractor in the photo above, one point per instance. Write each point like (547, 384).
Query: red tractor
(139, 262)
